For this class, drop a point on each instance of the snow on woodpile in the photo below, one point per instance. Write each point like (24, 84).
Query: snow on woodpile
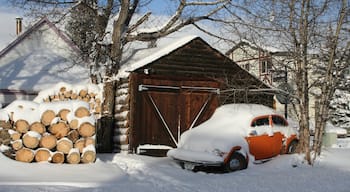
(57, 127)
(90, 93)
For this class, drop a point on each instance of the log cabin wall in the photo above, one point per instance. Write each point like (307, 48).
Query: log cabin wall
(195, 64)
(122, 116)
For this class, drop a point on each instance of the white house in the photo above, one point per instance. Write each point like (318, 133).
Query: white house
(39, 57)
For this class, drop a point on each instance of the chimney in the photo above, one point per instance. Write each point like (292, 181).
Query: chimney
(18, 25)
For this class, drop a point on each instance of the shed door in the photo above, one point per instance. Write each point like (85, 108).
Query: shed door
(165, 112)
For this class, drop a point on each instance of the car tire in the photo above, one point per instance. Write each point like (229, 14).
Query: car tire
(292, 147)
(237, 162)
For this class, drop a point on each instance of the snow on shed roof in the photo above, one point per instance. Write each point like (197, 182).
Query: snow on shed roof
(138, 58)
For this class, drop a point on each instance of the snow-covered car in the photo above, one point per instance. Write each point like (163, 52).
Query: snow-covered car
(330, 128)
(235, 134)
(341, 132)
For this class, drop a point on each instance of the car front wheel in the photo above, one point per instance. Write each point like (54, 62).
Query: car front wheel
(292, 147)
(237, 162)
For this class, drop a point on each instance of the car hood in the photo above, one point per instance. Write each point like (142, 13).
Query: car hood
(218, 134)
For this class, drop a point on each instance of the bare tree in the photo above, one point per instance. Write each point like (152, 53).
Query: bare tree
(335, 65)
(124, 29)
(298, 27)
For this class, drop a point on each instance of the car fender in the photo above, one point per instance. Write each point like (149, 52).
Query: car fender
(288, 142)
(238, 149)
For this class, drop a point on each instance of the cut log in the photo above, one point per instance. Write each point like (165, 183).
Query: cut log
(74, 96)
(38, 127)
(73, 156)
(64, 145)
(5, 124)
(48, 141)
(82, 112)
(22, 126)
(15, 135)
(61, 97)
(98, 101)
(60, 130)
(89, 154)
(90, 141)
(83, 93)
(17, 145)
(86, 129)
(4, 134)
(86, 99)
(63, 89)
(47, 117)
(73, 135)
(63, 114)
(31, 139)
(73, 124)
(57, 157)
(42, 154)
(80, 144)
(98, 109)
(68, 94)
(25, 155)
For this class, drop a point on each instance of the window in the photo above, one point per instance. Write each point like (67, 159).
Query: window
(260, 122)
(279, 121)
(247, 66)
(265, 66)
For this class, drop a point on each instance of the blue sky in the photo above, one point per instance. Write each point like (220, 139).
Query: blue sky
(9, 13)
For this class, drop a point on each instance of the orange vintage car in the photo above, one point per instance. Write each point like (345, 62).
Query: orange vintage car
(235, 134)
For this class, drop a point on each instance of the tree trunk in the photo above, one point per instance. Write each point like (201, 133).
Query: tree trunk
(109, 98)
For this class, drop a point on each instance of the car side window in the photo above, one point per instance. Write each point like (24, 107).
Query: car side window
(279, 121)
(261, 122)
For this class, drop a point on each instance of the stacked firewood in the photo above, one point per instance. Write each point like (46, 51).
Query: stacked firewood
(66, 92)
(57, 132)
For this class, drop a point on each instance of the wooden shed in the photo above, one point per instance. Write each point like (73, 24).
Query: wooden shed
(174, 88)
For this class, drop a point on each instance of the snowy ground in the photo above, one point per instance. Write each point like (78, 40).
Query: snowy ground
(121, 172)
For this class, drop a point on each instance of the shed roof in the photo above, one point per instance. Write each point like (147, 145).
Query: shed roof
(140, 57)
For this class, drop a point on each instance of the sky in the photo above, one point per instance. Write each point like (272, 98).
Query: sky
(9, 13)
(8, 23)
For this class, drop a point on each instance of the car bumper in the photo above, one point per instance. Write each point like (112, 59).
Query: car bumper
(195, 158)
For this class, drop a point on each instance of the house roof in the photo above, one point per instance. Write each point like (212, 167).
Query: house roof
(35, 27)
(257, 46)
(40, 57)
